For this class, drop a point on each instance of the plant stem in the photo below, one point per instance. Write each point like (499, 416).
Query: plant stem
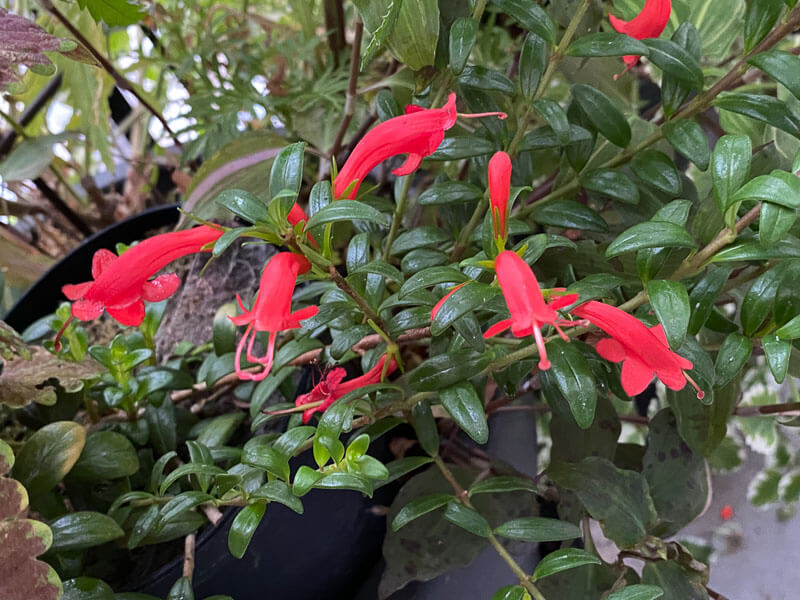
(480, 6)
(397, 219)
(119, 79)
(342, 284)
(352, 86)
(466, 233)
(188, 555)
(463, 497)
(769, 409)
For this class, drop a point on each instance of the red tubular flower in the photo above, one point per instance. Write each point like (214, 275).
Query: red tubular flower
(331, 388)
(417, 133)
(295, 216)
(526, 304)
(444, 299)
(271, 310)
(499, 189)
(649, 23)
(644, 352)
(121, 283)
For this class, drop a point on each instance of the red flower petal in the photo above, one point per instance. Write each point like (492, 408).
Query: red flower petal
(131, 315)
(160, 288)
(101, 260)
(86, 310)
(76, 290)
(611, 350)
(636, 376)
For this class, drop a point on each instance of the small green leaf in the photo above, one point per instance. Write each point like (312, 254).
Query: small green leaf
(463, 33)
(571, 374)
(688, 138)
(759, 19)
(777, 352)
(704, 295)
(606, 44)
(637, 592)
(671, 305)
(143, 526)
(425, 427)
(732, 356)
(761, 107)
(347, 210)
(287, 170)
(781, 66)
(791, 330)
(555, 117)
(278, 491)
(770, 188)
(533, 59)
(650, 234)
(538, 529)
(675, 61)
(48, 455)
(450, 192)
(464, 300)
(657, 170)
(485, 79)
(730, 167)
(244, 526)
(603, 114)
(774, 223)
(346, 481)
(467, 518)
(569, 214)
(458, 147)
(465, 407)
(561, 560)
(444, 370)
(106, 455)
(611, 183)
(429, 277)
(83, 529)
(418, 507)
(511, 592)
(530, 15)
(243, 204)
(181, 590)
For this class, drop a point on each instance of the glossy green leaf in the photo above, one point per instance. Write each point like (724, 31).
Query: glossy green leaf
(555, 117)
(675, 61)
(425, 427)
(181, 590)
(485, 79)
(671, 305)
(412, 35)
(544, 137)
(465, 407)
(106, 455)
(761, 107)
(278, 491)
(347, 210)
(87, 588)
(114, 14)
(603, 114)
(538, 529)
(703, 296)
(505, 483)
(790, 330)
(778, 352)
(759, 19)
(83, 529)
(732, 356)
(571, 374)
(464, 300)
(533, 59)
(450, 192)
(467, 518)
(188, 469)
(243, 204)
(444, 370)
(657, 170)
(429, 277)
(418, 237)
(789, 247)
(730, 167)
(563, 559)
(676, 582)
(458, 147)
(418, 507)
(774, 223)
(48, 455)
(243, 527)
(569, 214)
(637, 591)
(650, 234)
(143, 526)
(781, 66)
(530, 16)
(463, 33)
(511, 592)
(606, 44)
(769, 188)
(611, 183)
(688, 138)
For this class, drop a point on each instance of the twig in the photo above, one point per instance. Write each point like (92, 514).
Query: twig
(212, 513)
(188, 555)
(715, 595)
(350, 98)
(58, 203)
(342, 284)
(119, 79)
(768, 409)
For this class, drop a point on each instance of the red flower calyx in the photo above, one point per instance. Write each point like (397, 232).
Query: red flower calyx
(121, 283)
(331, 387)
(271, 310)
(417, 133)
(644, 352)
(529, 311)
(499, 190)
(649, 23)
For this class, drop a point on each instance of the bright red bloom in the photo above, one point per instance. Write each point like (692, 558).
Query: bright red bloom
(417, 133)
(295, 216)
(121, 283)
(649, 23)
(271, 310)
(331, 388)
(726, 513)
(444, 299)
(644, 352)
(499, 189)
(526, 304)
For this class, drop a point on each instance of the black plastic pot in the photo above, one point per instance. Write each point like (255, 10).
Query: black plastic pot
(44, 296)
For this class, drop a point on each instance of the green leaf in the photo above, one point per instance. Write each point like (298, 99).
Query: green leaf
(569, 214)
(688, 138)
(218, 431)
(675, 61)
(603, 114)
(181, 590)
(761, 107)
(381, 33)
(530, 16)
(563, 559)
(419, 237)
(429, 277)
(730, 167)
(347, 210)
(671, 305)
(777, 352)
(637, 592)
(533, 59)
(769, 188)
(732, 356)
(403, 466)
(506, 483)
(789, 247)
(346, 481)
(243, 204)
(657, 170)
(243, 527)
(444, 370)
(572, 444)
(555, 117)
(450, 192)
(543, 137)
(115, 13)
(619, 499)
(774, 223)
(463, 33)
(278, 491)
(465, 407)
(83, 529)
(29, 158)
(382, 268)
(676, 582)
(413, 35)
(704, 295)
(425, 427)
(181, 503)
(87, 588)
(485, 79)
(511, 592)
(606, 44)
(650, 234)
(304, 480)
(259, 454)
(143, 526)
(418, 507)
(791, 330)
(106, 455)
(464, 300)
(611, 183)
(467, 518)
(188, 469)
(287, 173)
(781, 66)
(701, 425)
(759, 19)
(668, 460)
(458, 147)
(571, 374)
(538, 529)
(48, 455)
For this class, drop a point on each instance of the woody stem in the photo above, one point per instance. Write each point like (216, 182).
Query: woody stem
(342, 284)
(463, 498)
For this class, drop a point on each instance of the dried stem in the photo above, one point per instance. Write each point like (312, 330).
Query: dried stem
(350, 98)
(188, 555)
